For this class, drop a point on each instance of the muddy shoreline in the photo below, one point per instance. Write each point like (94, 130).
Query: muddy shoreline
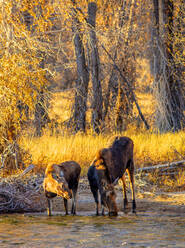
(147, 201)
(27, 196)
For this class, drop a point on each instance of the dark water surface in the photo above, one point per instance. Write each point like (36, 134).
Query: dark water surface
(147, 229)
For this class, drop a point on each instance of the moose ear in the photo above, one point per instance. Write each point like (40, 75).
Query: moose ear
(115, 181)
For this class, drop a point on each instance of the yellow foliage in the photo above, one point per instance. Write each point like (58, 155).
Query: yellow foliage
(148, 148)
(21, 77)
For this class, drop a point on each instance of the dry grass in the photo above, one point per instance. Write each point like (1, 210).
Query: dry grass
(48, 149)
(151, 148)
(148, 148)
(173, 182)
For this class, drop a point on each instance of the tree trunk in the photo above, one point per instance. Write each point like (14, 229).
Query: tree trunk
(169, 113)
(80, 106)
(41, 115)
(97, 103)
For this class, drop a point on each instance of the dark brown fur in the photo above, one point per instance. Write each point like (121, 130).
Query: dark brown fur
(110, 165)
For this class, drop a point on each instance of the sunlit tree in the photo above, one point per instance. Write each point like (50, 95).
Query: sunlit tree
(168, 64)
(21, 76)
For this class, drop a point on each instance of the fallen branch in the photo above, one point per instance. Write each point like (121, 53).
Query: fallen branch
(173, 165)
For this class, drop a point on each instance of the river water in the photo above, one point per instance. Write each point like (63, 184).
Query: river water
(147, 229)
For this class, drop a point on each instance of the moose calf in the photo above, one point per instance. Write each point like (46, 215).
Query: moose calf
(62, 180)
(107, 168)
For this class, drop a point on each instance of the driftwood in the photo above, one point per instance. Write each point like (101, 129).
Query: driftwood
(169, 167)
(22, 193)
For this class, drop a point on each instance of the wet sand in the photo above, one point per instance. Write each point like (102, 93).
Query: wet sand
(146, 201)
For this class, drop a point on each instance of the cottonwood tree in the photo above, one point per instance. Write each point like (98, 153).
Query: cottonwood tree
(21, 77)
(121, 53)
(87, 61)
(82, 81)
(124, 99)
(168, 87)
(94, 64)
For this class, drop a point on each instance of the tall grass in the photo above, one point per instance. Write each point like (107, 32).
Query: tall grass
(148, 148)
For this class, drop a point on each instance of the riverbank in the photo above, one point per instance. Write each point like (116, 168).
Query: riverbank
(146, 200)
(25, 195)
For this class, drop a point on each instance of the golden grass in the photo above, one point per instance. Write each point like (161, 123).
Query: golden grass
(158, 148)
(148, 148)
(48, 149)
(169, 183)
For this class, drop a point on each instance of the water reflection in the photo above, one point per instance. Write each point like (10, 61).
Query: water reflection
(145, 230)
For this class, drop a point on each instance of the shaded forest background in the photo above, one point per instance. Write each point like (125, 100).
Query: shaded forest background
(101, 60)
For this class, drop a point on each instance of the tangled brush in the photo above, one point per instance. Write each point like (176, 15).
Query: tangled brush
(21, 194)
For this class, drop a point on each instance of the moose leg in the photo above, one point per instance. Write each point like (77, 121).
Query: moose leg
(130, 172)
(95, 194)
(73, 208)
(66, 206)
(102, 210)
(102, 206)
(124, 193)
(49, 207)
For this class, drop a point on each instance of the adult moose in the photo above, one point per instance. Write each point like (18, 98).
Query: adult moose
(62, 180)
(107, 168)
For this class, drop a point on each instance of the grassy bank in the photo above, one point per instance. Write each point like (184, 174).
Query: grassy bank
(149, 149)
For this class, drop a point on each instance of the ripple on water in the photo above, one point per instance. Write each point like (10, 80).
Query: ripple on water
(144, 230)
